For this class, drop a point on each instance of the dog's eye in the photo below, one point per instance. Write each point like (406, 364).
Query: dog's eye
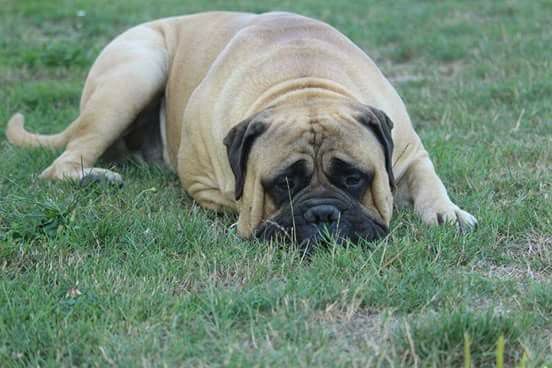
(350, 179)
(353, 180)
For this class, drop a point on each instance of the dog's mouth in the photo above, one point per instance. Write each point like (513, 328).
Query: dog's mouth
(312, 222)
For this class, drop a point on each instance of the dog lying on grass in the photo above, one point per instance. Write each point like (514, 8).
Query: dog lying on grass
(276, 116)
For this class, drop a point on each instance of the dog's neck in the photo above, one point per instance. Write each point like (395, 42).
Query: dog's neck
(299, 90)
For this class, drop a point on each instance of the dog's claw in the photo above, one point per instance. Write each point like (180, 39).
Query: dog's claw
(465, 221)
(101, 176)
(451, 214)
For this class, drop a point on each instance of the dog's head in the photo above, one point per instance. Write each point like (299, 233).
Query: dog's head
(312, 169)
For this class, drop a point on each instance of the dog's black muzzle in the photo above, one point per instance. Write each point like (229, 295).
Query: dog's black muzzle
(316, 217)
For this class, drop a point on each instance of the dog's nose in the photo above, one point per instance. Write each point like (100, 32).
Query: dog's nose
(322, 215)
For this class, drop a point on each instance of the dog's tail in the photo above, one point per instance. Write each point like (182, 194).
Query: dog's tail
(17, 135)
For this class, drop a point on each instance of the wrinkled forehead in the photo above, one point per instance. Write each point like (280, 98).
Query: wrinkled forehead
(316, 136)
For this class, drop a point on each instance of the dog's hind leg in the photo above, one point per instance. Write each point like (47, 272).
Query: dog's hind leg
(129, 73)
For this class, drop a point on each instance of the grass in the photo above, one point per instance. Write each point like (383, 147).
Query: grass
(141, 276)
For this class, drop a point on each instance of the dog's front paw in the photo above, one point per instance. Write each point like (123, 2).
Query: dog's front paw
(97, 175)
(449, 213)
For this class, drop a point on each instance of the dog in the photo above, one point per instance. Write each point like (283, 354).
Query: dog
(276, 116)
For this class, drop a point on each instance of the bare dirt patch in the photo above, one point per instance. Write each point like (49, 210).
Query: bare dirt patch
(535, 250)
(362, 330)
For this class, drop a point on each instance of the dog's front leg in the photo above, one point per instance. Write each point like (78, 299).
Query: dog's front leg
(421, 186)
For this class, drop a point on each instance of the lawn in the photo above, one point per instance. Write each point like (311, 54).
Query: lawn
(141, 276)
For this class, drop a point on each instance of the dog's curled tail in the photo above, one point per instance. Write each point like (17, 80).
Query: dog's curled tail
(17, 135)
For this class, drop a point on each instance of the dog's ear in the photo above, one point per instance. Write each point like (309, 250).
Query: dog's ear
(381, 125)
(238, 144)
